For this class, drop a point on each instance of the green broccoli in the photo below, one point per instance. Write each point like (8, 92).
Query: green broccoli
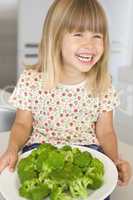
(62, 173)
(50, 183)
(97, 182)
(26, 169)
(60, 179)
(82, 159)
(72, 171)
(34, 190)
(75, 150)
(40, 161)
(99, 167)
(58, 194)
(77, 188)
(55, 160)
(46, 148)
(67, 153)
(87, 181)
(95, 172)
(40, 192)
(66, 148)
(95, 167)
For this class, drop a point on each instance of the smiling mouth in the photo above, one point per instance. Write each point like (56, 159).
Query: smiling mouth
(85, 58)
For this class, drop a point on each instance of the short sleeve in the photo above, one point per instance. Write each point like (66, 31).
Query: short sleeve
(22, 95)
(109, 101)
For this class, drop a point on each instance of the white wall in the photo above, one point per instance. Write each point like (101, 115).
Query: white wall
(120, 14)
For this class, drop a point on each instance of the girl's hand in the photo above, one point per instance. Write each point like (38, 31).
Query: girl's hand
(8, 159)
(124, 172)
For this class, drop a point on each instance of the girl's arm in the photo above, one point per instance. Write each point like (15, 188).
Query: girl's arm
(20, 130)
(108, 141)
(106, 135)
(20, 133)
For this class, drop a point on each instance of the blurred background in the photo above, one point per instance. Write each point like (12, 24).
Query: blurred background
(20, 32)
(8, 42)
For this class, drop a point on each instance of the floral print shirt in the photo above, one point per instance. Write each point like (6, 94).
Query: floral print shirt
(66, 114)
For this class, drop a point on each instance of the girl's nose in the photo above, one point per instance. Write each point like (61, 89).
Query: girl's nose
(88, 44)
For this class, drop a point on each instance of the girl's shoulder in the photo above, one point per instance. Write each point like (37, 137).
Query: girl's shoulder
(110, 97)
(111, 90)
(31, 73)
(30, 76)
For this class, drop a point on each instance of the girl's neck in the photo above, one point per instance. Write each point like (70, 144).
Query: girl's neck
(69, 78)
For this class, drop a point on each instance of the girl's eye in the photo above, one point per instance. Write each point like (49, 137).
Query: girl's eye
(99, 36)
(77, 34)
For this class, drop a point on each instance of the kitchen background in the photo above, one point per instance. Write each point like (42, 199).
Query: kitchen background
(20, 32)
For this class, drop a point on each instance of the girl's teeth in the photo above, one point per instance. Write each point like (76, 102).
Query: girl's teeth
(85, 58)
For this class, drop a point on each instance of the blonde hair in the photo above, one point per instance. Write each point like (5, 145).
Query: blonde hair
(67, 16)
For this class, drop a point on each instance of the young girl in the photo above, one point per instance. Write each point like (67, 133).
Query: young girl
(68, 98)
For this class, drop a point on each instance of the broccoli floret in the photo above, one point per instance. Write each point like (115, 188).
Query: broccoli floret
(59, 178)
(27, 187)
(58, 194)
(55, 160)
(42, 154)
(46, 148)
(75, 150)
(69, 156)
(77, 188)
(95, 172)
(62, 178)
(72, 171)
(82, 159)
(41, 160)
(40, 192)
(34, 190)
(97, 182)
(50, 183)
(66, 148)
(87, 181)
(26, 169)
(65, 196)
(95, 167)
(67, 153)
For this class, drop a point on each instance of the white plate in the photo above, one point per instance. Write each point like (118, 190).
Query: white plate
(9, 182)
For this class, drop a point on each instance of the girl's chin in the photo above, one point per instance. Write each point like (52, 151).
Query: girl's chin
(85, 68)
(86, 65)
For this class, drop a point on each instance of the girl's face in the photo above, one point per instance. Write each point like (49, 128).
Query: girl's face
(81, 50)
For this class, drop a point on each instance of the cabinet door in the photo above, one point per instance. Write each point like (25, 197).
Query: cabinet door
(31, 15)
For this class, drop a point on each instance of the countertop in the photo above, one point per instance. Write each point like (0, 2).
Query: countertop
(126, 151)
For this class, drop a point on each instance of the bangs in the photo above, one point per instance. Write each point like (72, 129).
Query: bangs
(86, 15)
